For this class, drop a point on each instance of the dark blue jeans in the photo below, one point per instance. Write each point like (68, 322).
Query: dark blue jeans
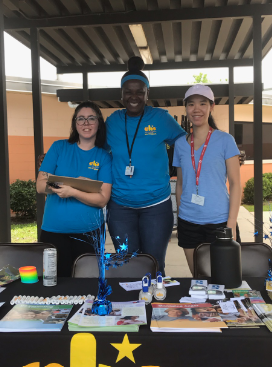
(148, 229)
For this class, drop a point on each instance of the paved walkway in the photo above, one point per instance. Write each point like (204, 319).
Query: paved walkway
(176, 265)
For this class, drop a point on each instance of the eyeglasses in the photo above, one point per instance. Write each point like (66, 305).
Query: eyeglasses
(81, 120)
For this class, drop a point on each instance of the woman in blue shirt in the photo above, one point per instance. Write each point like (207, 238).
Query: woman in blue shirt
(70, 213)
(140, 206)
(205, 160)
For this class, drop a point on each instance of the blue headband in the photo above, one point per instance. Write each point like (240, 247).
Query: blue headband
(135, 76)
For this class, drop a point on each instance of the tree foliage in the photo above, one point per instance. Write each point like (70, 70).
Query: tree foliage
(201, 78)
(23, 198)
(249, 189)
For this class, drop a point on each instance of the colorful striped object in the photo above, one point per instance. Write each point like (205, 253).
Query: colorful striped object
(28, 274)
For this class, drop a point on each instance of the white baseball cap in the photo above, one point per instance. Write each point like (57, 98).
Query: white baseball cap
(200, 89)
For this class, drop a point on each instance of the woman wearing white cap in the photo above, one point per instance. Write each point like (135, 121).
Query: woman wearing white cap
(205, 160)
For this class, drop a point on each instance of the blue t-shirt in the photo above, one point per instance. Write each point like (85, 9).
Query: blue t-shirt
(212, 180)
(150, 181)
(69, 215)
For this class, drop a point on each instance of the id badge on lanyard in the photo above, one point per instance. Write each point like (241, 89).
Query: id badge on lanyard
(198, 199)
(130, 169)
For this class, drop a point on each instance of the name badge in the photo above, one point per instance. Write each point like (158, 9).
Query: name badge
(197, 199)
(129, 170)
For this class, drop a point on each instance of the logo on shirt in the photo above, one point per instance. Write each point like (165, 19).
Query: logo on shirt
(94, 165)
(150, 130)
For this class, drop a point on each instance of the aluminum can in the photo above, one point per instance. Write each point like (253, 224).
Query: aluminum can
(49, 267)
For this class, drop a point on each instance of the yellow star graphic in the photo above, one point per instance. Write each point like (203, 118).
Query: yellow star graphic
(125, 349)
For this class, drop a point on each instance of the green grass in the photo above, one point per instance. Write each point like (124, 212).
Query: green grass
(24, 232)
(250, 208)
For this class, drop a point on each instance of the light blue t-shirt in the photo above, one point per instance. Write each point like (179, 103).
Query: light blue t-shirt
(68, 215)
(150, 181)
(212, 180)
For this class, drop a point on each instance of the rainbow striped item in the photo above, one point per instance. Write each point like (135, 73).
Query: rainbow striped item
(28, 274)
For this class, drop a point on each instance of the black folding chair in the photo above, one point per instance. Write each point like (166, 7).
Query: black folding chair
(85, 266)
(23, 254)
(254, 257)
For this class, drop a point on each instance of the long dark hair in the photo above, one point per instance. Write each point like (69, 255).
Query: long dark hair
(101, 132)
(211, 121)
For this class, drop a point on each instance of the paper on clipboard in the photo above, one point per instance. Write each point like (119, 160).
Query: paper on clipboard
(81, 184)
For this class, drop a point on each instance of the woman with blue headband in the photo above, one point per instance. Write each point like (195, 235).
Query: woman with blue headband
(140, 206)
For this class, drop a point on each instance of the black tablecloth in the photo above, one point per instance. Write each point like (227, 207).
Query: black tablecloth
(232, 347)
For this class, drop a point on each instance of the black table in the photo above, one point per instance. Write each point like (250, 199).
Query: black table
(232, 347)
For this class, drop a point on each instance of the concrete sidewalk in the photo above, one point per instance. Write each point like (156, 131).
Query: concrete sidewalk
(176, 264)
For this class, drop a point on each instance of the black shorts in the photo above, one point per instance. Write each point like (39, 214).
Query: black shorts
(190, 235)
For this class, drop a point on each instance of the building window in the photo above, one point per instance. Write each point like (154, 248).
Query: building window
(244, 137)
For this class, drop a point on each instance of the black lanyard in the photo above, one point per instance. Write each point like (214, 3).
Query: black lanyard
(130, 149)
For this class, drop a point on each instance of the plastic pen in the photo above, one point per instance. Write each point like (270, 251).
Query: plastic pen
(76, 300)
(82, 299)
(90, 297)
(36, 299)
(64, 300)
(52, 300)
(70, 300)
(12, 302)
(40, 300)
(18, 300)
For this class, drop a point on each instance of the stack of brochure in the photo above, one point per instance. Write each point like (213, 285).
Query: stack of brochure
(176, 317)
(254, 296)
(264, 311)
(269, 288)
(125, 317)
(238, 312)
(28, 317)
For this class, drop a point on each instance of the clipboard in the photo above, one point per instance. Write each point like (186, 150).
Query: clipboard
(82, 184)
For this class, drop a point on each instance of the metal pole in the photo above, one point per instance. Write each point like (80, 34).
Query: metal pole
(257, 127)
(5, 229)
(85, 86)
(37, 115)
(231, 101)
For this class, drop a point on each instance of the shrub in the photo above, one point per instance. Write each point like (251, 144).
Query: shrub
(249, 189)
(23, 198)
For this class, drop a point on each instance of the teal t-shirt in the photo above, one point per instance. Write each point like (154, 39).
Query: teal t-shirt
(69, 215)
(150, 181)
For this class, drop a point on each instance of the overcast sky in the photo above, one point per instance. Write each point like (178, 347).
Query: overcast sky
(18, 63)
